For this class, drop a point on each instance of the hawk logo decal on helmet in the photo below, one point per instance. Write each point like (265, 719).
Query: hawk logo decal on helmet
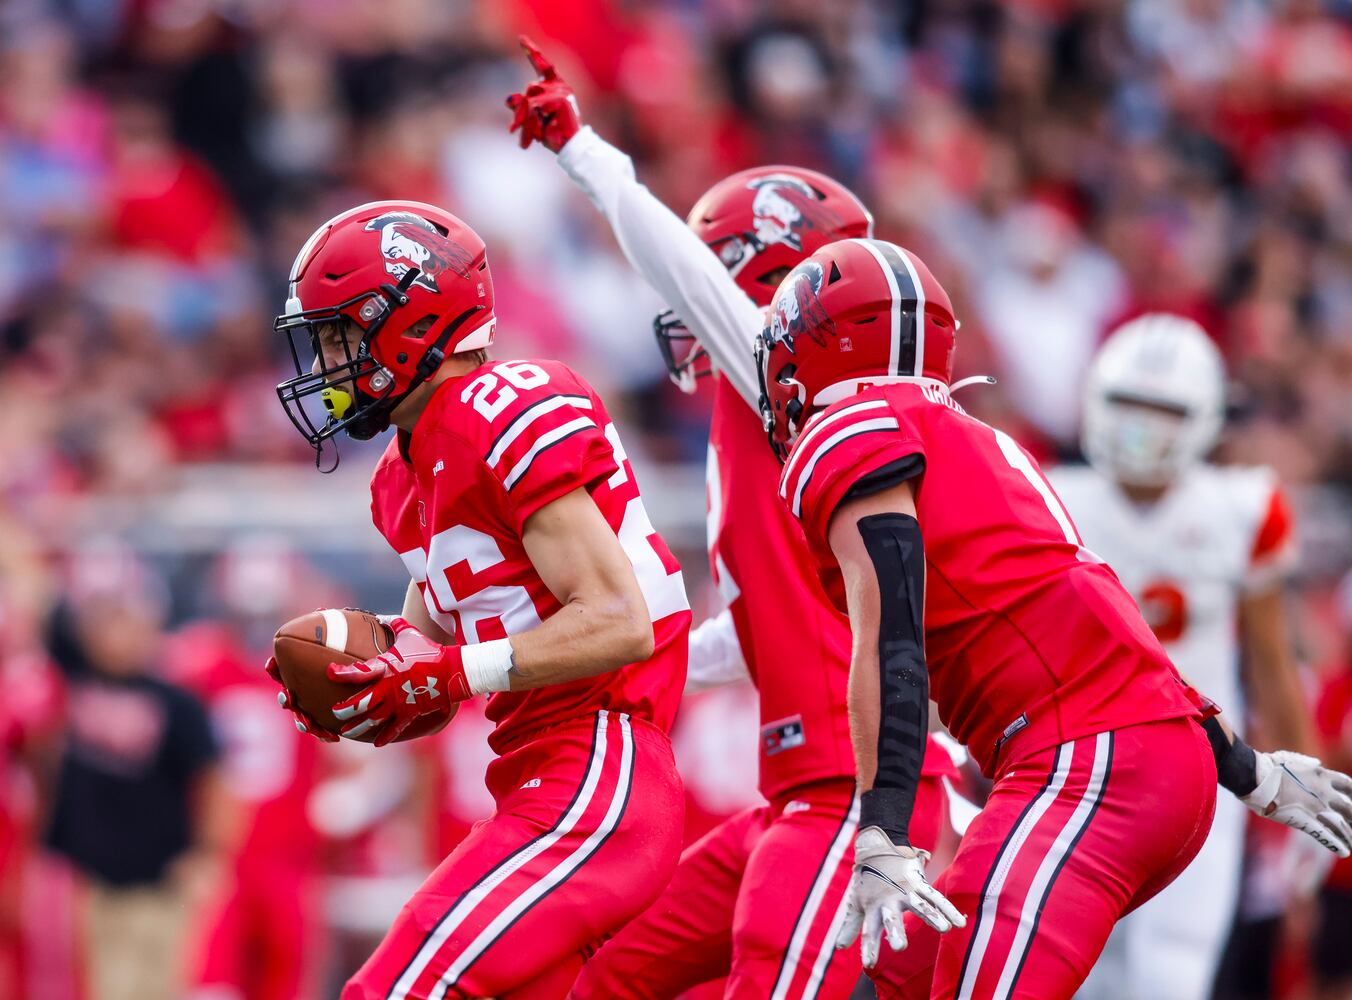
(409, 241)
(784, 205)
(800, 312)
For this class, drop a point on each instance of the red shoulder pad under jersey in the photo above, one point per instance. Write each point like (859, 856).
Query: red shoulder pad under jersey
(844, 444)
(540, 430)
(1274, 543)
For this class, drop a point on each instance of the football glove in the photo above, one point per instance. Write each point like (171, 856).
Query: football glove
(288, 701)
(413, 678)
(547, 112)
(1300, 792)
(888, 880)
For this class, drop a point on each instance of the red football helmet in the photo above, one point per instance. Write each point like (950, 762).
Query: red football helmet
(387, 266)
(855, 314)
(762, 222)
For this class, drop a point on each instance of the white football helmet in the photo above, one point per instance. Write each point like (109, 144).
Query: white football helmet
(1154, 400)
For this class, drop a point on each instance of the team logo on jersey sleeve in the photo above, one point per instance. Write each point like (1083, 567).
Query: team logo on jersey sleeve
(410, 241)
(797, 311)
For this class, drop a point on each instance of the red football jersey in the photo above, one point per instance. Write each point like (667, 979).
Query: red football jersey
(1031, 641)
(795, 641)
(492, 448)
(796, 644)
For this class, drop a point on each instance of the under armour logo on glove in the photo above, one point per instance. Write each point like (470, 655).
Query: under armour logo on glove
(416, 676)
(429, 689)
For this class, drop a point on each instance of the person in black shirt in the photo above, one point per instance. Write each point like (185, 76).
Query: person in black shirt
(136, 807)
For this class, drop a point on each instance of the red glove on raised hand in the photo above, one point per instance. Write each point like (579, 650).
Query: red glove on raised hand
(414, 677)
(288, 701)
(547, 112)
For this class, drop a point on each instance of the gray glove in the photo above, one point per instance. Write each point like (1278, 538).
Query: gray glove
(889, 880)
(1300, 792)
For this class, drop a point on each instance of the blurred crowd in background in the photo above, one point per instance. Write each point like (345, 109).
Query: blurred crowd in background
(1061, 165)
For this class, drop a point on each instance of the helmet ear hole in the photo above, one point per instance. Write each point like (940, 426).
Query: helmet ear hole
(419, 329)
(834, 276)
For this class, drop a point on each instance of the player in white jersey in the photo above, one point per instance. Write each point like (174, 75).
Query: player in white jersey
(1205, 550)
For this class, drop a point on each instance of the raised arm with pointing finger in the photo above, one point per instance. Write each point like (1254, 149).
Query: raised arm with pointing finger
(702, 272)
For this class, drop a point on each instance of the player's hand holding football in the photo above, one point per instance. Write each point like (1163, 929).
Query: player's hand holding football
(414, 677)
(547, 112)
(1297, 790)
(889, 880)
(288, 701)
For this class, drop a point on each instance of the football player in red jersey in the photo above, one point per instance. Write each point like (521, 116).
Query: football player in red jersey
(537, 579)
(761, 897)
(966, 580)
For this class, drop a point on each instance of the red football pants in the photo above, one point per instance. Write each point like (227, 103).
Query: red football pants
(586, 833)
(758, 899)
(1071, 838)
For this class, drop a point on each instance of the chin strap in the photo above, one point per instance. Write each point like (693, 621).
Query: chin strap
(319, 455)
(972, 380)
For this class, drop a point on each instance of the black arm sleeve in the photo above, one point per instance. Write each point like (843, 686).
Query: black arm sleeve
(898, 554)
(1236, 763)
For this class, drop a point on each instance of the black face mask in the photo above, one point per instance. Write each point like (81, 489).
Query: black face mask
(685, 359)
(342, 405)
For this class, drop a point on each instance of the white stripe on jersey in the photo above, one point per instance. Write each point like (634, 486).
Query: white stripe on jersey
(815, 427)
(545, 440)
(1019, 462)
(527, 417)
(844, 434)
(415, 561)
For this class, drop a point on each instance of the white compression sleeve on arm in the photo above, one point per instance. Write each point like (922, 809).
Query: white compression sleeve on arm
(715, 655)
(671, 258)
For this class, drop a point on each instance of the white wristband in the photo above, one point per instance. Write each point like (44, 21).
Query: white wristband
(487, 664)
